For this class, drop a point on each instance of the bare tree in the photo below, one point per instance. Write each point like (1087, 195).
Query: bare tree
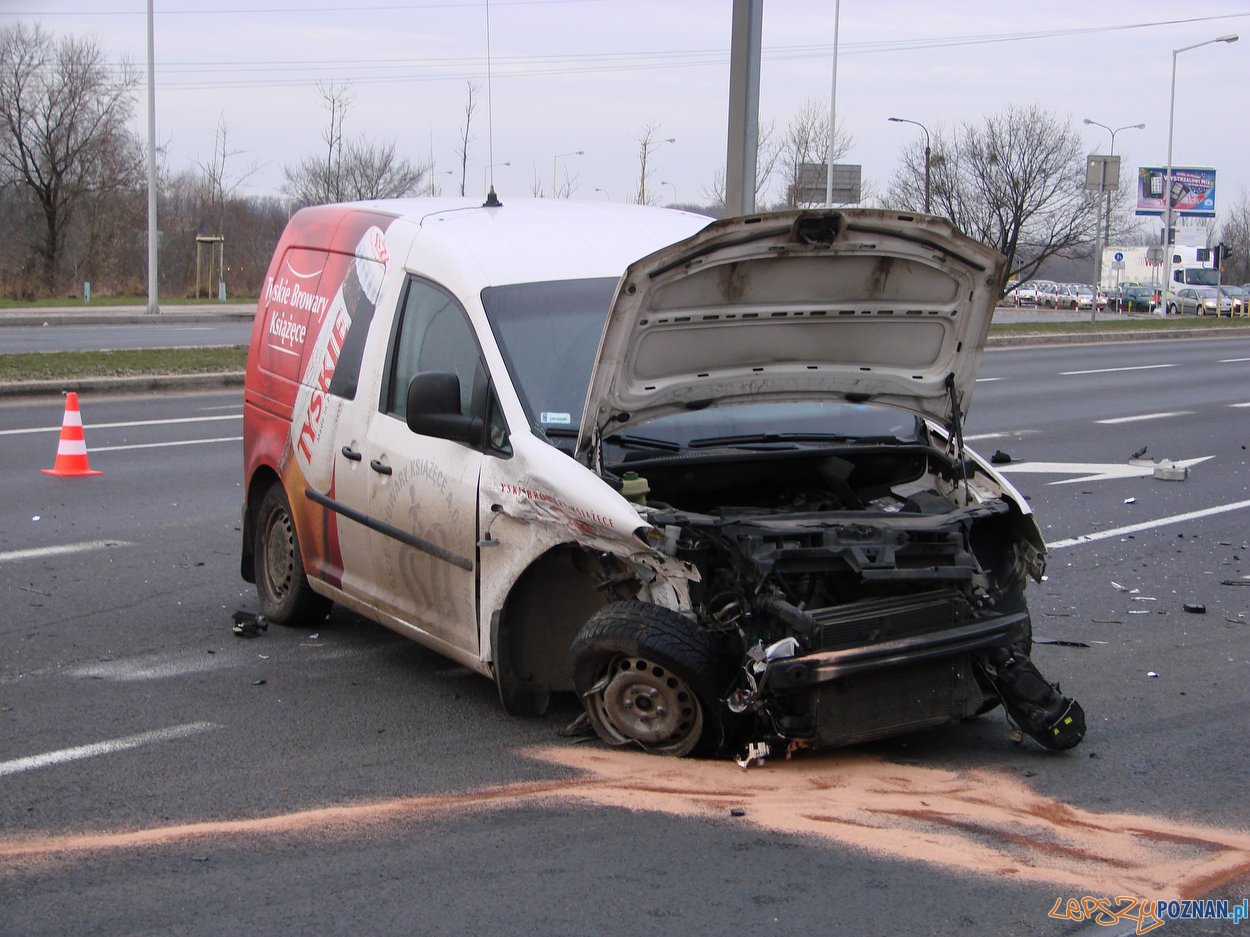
(63, 115)
(646, 143)
(1235, 234)
(218, 186)
(350, 170)
(767, 154)
(805, 141)
(462, 147)
(1015, 182)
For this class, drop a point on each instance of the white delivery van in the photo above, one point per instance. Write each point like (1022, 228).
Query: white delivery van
(709, 476)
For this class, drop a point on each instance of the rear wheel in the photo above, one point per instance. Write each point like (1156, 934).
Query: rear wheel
(649, 676)
(285, 596)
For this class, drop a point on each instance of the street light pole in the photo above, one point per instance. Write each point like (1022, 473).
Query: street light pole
(662, 182)
(554, 160)
(606, 194)
(904, 120)
(1167, 182)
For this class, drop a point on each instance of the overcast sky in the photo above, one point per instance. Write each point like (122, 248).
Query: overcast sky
(590, 75)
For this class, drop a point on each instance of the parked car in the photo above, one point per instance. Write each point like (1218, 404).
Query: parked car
(1048, 295)
(1199, 300)
(1026, 294)
(1238, 298)
(1133, 297)
(682, 486)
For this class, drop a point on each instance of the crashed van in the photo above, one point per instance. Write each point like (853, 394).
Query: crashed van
(709, 476)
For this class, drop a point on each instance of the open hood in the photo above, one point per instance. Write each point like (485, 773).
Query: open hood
(856, 305)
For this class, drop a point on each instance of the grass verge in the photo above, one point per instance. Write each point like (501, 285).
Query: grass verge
(59, 365)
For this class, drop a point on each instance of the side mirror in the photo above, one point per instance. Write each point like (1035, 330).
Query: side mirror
(434, 409)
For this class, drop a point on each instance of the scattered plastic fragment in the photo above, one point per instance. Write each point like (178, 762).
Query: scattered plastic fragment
(756, 754)
(1000, 458)
(1151, 673)
(249, 624)
(1140, 452)
(35, 518)
(737, 812)
(1130, 500)
(1059, 642)
(1118, 586)
(1169, 471)
(1196, 608)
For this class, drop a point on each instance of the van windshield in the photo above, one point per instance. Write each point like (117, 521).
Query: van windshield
(549, 335)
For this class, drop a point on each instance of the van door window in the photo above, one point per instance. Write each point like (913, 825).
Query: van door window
(433, 334)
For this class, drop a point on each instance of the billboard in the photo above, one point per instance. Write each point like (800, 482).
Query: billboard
(1193, 191)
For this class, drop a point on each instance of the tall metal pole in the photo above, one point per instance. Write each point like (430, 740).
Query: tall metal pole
(927, 158)
(154, 305)
(833, 105)
(1167, 182)
(744, 107)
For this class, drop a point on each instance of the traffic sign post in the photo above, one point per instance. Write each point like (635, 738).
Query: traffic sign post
(1102, 174)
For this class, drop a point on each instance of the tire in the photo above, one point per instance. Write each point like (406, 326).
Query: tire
(285, 596)
(651, 677)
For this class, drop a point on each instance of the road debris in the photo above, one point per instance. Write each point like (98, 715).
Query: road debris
(1195, 608)
(249, 624)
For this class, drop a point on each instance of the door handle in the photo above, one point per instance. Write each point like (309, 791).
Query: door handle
(380, 467)
(350, 453)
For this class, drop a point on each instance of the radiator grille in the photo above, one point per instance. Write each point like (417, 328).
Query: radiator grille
(887, 702)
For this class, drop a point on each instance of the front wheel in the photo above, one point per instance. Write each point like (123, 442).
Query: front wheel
(285, 596)
(649, 676)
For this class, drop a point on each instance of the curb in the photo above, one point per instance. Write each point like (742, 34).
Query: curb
(30, 319)
(1101, 338)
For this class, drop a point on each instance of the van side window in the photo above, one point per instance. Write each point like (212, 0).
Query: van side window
(433, 335)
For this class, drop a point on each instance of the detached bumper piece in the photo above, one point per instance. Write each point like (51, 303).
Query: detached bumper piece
(1054, 721)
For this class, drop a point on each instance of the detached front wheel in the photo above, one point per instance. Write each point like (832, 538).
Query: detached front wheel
(649, 676)
(285, 596)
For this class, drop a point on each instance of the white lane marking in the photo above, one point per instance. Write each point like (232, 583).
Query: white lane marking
(988, 380)
(104, 748)
(1233, 360)
(40, 552)
(1136, 367)
(1095, 471)
(1148, 525)
(165, 445)
(1143, 416)
(1239, 404)
(165, 666)
(187, 419)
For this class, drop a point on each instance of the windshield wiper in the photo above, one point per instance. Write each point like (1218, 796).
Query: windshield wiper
(646, 442)
(748, 439)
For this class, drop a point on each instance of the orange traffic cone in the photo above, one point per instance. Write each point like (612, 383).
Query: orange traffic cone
(71, 452)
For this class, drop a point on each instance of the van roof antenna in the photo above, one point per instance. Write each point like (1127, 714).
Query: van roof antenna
(492, 200)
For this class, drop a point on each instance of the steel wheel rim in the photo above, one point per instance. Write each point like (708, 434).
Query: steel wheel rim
(644, 702)
(279, 554)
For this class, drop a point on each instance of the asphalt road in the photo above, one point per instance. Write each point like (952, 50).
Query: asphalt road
(160, 776)
(105, 329)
